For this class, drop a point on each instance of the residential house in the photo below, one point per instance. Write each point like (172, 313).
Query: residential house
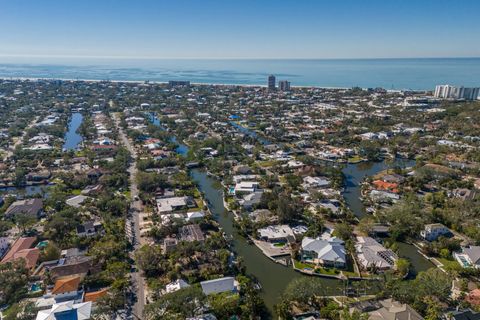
(277, 233)
(175, 286)
(226, 284)
(93, 296)
(469, 257)
(387, 309)
(166, 205)
(22, 249)
(245, 187)
(191, 232)
(66, 310)
(89, 228)
(326, 252)
(466, 314)
(372, 255)
(76, 201)
(31, 207)
(433, 231)
(169, 245)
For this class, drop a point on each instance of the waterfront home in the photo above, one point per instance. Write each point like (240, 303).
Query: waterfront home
(372, 255)
(387, 309)
(245, 187)
(67, 310)
(433, 231)
(191, 232)
(225, 284)
(387, 186)
(469, 257)
(277, 233)
(30, 207)
(22, 249)
(194, 216)
(315, 182)
(262, 215)
(380, 196)
(250, 200)
(325, 252)
(166, 205)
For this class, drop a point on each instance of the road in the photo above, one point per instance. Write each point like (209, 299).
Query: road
(133, 227)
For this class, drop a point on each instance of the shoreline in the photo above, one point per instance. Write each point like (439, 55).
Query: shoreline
(217, 84)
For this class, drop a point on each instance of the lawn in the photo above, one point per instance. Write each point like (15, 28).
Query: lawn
(266, 163)
(327, 271)
(449, 264)
(302, 265)
(355, 159)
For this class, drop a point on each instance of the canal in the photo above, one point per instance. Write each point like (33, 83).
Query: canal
(354, 175)
(273, 277)
(72, 137)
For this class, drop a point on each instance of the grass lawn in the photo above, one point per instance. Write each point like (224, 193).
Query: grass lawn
(448, 263)
(199, 203)
(266, 163)
(350, 273)
(355, 159)
(301, 265)
(76, 192)
(327, 271)
(279, 245)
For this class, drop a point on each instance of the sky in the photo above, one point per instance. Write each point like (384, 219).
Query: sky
(246, 29)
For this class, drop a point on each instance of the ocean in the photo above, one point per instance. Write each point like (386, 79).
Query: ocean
(415, 74)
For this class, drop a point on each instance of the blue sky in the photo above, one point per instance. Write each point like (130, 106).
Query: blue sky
(240, 29)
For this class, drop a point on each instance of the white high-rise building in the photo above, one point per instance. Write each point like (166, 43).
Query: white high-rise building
(451, 92)
(284, 85)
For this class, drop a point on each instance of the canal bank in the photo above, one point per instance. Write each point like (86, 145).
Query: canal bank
(354, 176)
(273, 277)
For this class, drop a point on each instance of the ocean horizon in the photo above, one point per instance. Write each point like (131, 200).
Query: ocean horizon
(388, 73)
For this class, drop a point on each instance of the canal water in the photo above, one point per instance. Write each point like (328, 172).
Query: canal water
(72, 138)
(273, 277)
(354, 175)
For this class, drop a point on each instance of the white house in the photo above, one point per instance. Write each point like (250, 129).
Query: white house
(67, 310)
(372, 254)
(175, 286)
(244, 187)
(327, 252)
(278, 233)
(433, 231)
(226, 284)
(469, 257)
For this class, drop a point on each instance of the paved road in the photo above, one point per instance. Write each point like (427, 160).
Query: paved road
(133, 226)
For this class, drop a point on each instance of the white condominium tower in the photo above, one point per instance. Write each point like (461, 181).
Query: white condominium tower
(451, 92)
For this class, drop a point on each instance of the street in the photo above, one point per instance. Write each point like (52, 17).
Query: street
(132, 229)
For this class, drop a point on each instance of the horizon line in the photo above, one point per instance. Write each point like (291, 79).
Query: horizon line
(224, 58)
